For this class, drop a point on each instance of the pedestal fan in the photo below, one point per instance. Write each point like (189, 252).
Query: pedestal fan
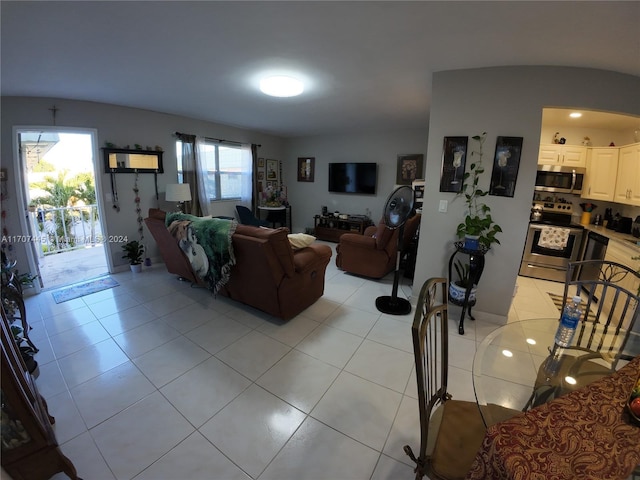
(397, 211)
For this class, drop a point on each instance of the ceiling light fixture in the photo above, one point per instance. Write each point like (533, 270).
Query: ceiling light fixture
(281, 86)
(575, 115)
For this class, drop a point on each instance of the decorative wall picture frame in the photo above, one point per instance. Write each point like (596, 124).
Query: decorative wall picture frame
(410, 168)
(260, 175)
(506, 163)
(306, 169)
(272, 170)
(260, 162)
(454, 160)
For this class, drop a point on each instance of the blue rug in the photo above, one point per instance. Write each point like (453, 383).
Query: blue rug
(82, 289)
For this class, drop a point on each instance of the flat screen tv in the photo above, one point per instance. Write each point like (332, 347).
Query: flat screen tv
(353, 177)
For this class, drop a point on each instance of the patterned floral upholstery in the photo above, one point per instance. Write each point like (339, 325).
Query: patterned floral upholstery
(586, 434)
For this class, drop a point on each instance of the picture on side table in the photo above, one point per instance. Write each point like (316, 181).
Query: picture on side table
(409, 168)
(505, 166)
(272, 169)
(306, 169)
(454, 159)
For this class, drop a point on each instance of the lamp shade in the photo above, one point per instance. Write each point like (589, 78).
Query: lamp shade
(178, 192)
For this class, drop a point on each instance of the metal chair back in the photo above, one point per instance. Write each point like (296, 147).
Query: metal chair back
(610, 293)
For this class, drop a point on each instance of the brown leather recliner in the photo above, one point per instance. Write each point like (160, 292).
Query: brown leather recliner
(268, 274)
(374, 253)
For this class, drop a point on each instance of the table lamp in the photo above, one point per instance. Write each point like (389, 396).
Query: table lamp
(178, 192)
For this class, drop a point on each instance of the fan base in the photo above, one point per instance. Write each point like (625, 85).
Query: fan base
(393, 306)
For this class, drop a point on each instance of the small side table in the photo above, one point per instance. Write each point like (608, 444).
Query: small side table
(476, 266)
(280, 215)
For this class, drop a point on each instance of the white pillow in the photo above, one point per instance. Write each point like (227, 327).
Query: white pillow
(300, 240)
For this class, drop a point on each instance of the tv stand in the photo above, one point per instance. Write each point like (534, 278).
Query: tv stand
(330, 228)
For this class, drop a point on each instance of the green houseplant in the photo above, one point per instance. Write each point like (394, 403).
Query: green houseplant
(133, 252)
(478, 223)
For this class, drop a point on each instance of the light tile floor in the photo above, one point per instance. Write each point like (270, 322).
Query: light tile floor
(156, 380)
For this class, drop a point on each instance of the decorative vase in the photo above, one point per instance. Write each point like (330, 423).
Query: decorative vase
(147, 262)
(471, 242)
(137, 268)
(457, 293)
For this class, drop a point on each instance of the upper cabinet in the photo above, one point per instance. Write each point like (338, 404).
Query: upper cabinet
(627, 189)
(602, 170)
(568, 155)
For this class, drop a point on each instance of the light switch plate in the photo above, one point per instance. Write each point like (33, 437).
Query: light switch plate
(442, 208)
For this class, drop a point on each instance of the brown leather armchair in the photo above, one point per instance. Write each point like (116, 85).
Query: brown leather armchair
(374, 253)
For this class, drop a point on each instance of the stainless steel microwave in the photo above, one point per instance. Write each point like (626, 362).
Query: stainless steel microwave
(559, 179)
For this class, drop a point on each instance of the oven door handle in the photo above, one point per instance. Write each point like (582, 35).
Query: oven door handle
(574, 177)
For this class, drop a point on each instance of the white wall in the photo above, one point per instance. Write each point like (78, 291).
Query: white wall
(121, 126)
(383, 148)
(504, 101)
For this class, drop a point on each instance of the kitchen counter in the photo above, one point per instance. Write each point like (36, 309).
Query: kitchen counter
(624, 238)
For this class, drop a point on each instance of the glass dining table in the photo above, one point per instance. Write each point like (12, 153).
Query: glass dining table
(517, 367)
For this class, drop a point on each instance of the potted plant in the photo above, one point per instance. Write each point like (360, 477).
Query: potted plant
(133, 252)
(26, 279)
(458, 288)
(26, 351)
(478, 229)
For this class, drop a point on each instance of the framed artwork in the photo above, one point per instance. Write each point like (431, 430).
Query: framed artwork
(260, 175)
(260, 188)
(306, 169)
(272, 170)
(270, 184)
(409, 168)
(454, 159)
(260, 162)
(506, 162)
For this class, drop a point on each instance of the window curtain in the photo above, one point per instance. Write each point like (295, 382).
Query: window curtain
(202, 175)
(189, 171)
(255, 197)
(246, 167)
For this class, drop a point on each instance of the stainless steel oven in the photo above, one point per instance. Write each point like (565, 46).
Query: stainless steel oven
(549, 262)
(559, 179)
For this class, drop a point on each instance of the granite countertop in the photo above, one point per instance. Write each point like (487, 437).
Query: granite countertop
(623, 238)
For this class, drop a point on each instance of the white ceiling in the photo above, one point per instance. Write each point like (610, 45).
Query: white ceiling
(368, 65)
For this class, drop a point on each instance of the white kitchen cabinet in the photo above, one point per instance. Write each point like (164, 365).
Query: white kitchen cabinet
(567, 155)
(602, 170)
(627, 189)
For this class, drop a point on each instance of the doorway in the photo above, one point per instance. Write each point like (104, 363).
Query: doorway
(61, 198)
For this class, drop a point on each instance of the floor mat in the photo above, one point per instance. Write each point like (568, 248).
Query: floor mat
(557, 300)
(81, 289)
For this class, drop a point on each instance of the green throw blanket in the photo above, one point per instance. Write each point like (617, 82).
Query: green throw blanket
(207, 244)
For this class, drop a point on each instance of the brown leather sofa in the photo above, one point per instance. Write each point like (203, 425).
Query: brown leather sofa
(374, 253)
(268, 275)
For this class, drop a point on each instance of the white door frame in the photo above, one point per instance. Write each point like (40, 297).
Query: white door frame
(21, 190)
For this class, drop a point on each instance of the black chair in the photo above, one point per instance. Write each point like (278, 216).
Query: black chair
(246, 217)
(610, 304)
(451, 431)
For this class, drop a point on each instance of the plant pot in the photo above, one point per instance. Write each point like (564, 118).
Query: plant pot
(456, 293)
(471, 242)
(137, 268)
